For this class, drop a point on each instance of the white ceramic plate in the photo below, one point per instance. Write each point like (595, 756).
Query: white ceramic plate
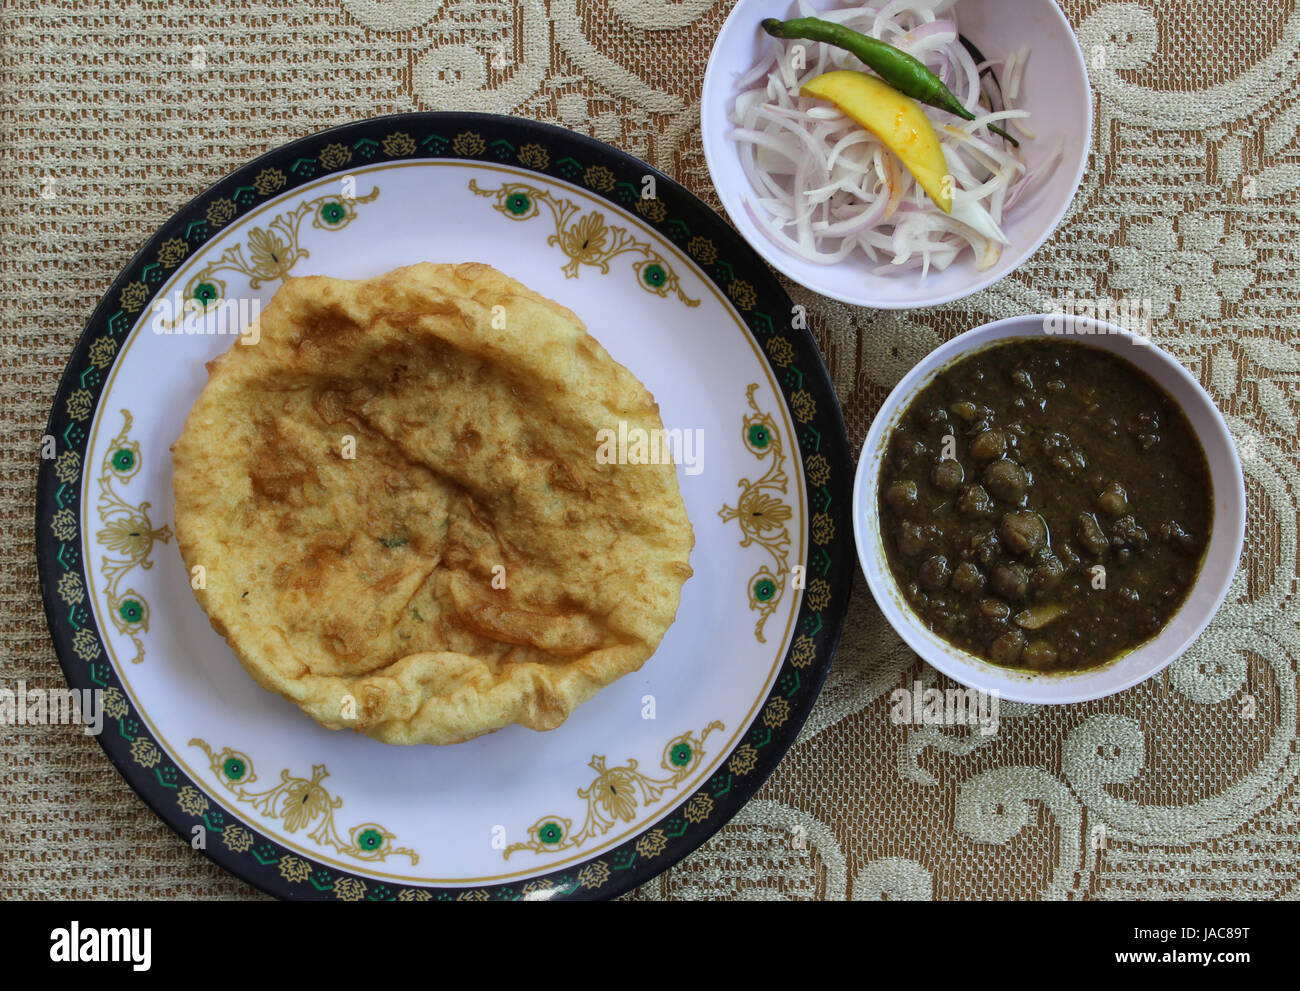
(643, 772)
(1054, 90)
(1211, 586)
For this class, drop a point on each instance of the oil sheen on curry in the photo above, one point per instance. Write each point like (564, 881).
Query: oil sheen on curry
(1044, 505)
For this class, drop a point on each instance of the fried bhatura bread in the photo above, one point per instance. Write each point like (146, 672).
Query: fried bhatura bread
(359, 484)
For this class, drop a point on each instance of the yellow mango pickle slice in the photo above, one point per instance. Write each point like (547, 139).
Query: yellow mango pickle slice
(895, 119)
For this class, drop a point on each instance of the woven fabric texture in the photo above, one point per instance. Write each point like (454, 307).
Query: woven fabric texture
(114, 113)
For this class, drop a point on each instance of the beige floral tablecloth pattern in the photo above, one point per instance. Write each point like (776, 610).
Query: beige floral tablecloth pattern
(115, 113)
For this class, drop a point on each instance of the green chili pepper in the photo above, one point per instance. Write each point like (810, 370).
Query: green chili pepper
(903, 72)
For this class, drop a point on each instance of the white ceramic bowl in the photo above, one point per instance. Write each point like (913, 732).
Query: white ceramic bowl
(1202, 602)
(1055, 91)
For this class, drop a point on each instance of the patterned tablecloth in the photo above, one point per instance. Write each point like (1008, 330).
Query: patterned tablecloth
(116, 112)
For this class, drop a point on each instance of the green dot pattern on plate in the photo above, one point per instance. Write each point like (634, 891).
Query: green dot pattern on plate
(131, 611)
(205, 292)
(764, 590)
(123, 459)
(758, 436)
(233, 768)
(518, 204)
(654, 276)
(550, 833)
(680, 755)
(332, 212)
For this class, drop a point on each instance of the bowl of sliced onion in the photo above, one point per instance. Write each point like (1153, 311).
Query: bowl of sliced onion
(838, 170)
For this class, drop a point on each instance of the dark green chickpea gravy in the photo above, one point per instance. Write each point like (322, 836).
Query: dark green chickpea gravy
(1045, 505)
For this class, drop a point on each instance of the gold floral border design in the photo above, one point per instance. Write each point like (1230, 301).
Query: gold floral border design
(762, 512)
(586, 238)
(612, 795)
(300, 802)
(128, 535)
(273, 251)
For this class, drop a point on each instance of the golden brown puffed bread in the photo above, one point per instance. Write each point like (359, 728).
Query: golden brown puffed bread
(362, 588)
